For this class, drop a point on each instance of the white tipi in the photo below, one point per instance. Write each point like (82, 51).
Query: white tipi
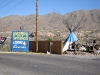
(71, 38)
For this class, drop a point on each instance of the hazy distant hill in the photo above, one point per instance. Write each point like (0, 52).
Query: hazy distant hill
(52, 22)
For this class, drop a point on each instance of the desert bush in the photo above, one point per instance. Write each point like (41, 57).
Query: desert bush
(6, 47)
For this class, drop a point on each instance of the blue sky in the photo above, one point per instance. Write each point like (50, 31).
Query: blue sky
(27, 7)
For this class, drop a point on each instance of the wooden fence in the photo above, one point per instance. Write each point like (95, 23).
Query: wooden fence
(55, 47)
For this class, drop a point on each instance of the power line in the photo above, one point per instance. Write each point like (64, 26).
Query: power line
(3, 13)
(1, 3)
(6, 4)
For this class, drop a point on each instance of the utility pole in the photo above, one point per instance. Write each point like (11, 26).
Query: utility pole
(36, 25)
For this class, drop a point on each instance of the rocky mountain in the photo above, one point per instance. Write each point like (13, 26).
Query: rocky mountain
(53, 24)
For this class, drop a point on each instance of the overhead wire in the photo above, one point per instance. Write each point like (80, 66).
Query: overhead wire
(2, 2)
(15, 5)
(3, 13)
(6, 4)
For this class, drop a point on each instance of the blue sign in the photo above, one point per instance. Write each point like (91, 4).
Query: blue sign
(20, 41)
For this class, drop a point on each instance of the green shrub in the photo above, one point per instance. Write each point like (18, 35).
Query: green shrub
(49, 39)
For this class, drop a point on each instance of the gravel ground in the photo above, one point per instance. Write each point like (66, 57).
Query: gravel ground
(83, 55)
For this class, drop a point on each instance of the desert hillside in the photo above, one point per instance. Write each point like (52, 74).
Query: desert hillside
(53, 25)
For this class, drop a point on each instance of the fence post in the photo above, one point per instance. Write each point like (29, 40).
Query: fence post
(51, 43)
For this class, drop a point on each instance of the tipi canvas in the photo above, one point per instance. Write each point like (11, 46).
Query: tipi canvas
(71, 38)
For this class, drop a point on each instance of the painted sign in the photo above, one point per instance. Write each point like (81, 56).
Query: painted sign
(20, 41)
